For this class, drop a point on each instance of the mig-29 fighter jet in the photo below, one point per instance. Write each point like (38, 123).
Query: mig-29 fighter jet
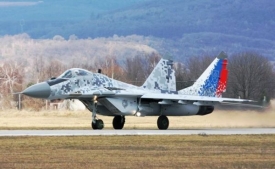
(156, 97)
(106, 96)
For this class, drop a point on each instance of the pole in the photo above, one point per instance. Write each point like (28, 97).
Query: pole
(19, 101)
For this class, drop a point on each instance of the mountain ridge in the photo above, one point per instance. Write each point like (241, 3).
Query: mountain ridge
(181, 25)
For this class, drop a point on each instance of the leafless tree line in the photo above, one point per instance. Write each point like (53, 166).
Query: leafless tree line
(251, 75)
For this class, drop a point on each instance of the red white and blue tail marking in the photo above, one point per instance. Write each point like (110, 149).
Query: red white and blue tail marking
(212, 82)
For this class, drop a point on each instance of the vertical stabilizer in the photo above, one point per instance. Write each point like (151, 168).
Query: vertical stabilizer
(162, 78)
(213, 81)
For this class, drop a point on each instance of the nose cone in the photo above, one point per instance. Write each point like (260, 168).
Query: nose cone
(40, 90)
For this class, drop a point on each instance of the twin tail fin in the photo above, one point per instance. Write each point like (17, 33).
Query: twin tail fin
(162, 78)
(213, 81)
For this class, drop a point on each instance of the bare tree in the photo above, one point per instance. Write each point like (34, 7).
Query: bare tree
(53, 69)
(110, 67)
(11, 78)
(250, 76)
(148, 64)
(187, 74)
(11, 75)
(197, 65)
(182, 76)
(138, 68)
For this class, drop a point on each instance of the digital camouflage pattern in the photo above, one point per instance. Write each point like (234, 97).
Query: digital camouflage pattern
(212, 82)
(162, 78)
(76, 82)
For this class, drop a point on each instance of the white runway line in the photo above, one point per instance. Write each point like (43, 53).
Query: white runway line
(223, 131)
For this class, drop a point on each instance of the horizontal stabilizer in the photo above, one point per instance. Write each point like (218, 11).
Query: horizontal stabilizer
(245, 104)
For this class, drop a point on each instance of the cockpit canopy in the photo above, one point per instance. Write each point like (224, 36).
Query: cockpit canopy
(75, 72)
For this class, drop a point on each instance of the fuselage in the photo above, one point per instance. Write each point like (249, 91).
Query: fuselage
(113, 97)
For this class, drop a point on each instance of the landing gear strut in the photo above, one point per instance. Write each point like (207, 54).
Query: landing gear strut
(97, 124)
(163, 122)
(118, 122)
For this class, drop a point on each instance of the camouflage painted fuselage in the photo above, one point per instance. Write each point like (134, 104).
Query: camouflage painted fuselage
(113, 97)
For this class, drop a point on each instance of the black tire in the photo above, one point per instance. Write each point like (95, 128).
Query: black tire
(163, 122)
(93, 125)
(118, 122)
(98, 125)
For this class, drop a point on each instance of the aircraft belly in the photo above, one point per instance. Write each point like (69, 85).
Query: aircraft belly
(102, 110)
(180, 110)
(120, 105)
(149, 109)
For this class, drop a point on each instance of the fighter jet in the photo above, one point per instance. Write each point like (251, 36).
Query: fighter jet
(156, 97)
(106, 96)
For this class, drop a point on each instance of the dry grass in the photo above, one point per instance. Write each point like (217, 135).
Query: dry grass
(252, 151)
(12, 119)
(249, 151)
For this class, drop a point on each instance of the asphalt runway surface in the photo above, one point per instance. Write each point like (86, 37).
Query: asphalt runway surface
(211, 131)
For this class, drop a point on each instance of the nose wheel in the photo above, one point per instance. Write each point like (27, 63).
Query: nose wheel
(98, 124)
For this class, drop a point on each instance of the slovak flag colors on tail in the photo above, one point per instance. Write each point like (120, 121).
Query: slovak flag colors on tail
(212, 82)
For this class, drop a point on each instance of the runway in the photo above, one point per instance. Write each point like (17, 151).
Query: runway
(222, 131)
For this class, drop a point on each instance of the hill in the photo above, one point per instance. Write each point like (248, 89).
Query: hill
(183, 28)
(173, 19)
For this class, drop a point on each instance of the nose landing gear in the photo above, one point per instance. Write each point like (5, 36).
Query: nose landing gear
(97, 124)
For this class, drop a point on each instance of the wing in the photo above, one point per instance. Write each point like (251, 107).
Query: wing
(90, 94)
(103, 92)
(191, 98)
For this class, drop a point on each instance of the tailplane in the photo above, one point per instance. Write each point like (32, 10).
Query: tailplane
(162, 78)
(213, 81)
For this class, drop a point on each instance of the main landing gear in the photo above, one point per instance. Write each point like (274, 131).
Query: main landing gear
(98, 124)
(163, 122)
(118, 122)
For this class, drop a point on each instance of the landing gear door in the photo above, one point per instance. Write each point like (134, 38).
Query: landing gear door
(121, 105)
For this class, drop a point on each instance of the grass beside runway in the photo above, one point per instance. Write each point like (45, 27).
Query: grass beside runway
(82, 120)
(195, 151)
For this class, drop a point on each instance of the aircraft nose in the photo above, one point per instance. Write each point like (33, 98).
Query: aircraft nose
(40, 90)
